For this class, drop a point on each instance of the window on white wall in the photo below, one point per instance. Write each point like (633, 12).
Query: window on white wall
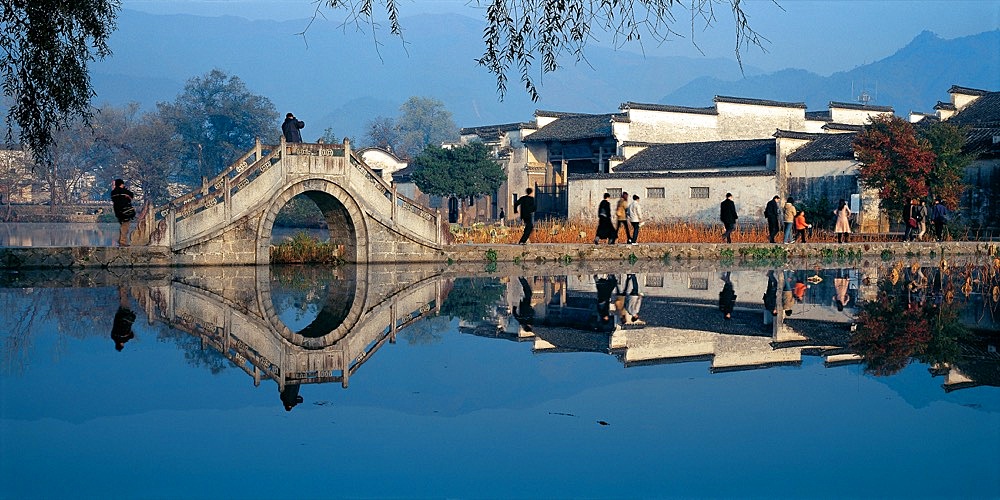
(699, 192)
(654, 280)
(698, 283)
(615, 192)
(656, 193)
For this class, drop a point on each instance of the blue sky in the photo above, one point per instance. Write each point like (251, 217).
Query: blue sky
(823, 36)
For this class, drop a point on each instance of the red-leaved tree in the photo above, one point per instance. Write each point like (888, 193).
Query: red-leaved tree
(894, 160)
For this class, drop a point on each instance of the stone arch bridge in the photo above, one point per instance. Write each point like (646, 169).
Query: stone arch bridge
(230, 219)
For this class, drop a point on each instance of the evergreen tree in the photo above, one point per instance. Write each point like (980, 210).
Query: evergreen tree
(465, 171)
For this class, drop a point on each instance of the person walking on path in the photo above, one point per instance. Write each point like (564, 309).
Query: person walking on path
(121, 201)
(773, 215)
(621, 212)
(605, 228)
(635, 218)
(801, 225)
(920, 213)
(842, 228)
(727, 213)
(909, 220)
(940, 217)
(291, 127)
(788, 216)
(526, 204)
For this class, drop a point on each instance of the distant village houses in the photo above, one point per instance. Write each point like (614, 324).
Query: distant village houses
(682, 160)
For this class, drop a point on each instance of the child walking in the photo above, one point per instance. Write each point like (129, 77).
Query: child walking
(801, 225)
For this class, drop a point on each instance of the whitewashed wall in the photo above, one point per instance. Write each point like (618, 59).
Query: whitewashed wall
(751, 194)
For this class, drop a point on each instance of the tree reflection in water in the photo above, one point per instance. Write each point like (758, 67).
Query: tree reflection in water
(916, 315)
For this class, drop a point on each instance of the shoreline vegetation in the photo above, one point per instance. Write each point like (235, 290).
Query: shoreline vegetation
(749, 243)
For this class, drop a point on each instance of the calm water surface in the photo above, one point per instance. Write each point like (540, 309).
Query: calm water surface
(435, 382)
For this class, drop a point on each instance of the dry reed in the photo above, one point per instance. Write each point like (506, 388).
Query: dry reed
(579, 231)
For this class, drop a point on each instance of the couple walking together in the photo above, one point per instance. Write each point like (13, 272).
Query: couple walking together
(627, 214)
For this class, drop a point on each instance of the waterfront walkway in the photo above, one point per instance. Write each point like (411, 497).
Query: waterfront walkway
(735, 253)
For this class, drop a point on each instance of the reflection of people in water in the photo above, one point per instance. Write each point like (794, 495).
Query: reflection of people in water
(787, 296)
(771, 295)
(523, 312)
(121, 329)
(290, 396)
(605, 289)
(840, 287)
(727, 297)
(632, 302)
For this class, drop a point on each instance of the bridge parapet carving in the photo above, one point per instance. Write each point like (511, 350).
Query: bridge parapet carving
(229, 219)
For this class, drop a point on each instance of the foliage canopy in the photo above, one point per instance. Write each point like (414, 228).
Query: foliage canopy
(464, 171)
(217, 119)
(902, 163)
(521, 34)
(47, 45)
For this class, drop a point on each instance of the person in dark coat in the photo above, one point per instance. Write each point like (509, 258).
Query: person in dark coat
(727, 297)
(605, 228)
(939, 215)
(524, 313)
(772, 212)
(121, 201)
(290, 396)
(526, 204)
(727, 213)
(605, 289)
(771, 294)
(291, 128)
(121, 328)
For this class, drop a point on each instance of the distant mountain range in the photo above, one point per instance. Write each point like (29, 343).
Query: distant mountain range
(341, 79)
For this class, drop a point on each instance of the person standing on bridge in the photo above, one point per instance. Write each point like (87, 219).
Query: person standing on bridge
(121, 200)
(291, 127)
(526, 204)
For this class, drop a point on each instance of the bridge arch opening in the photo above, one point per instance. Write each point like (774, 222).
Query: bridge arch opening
(301, 215)
(343, 218)
(313, 302)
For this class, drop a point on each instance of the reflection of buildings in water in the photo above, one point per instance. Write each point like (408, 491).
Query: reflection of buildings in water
(681, 320)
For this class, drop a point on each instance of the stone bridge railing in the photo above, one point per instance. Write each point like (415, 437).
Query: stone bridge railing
(256, 179)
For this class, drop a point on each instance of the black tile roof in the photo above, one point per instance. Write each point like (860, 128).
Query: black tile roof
(792, 134)
(573, 127)
(672, 175)
(495, 130)
(826, 147)
(404, 175)
(667, 107)
(861, 107)
(945, 105)
(819, 115)
(983, 112)
(843, 126)
(699, 155)
(759, 102)
(957, 89)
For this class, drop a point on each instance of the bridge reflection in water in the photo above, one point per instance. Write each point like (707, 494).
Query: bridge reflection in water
(314, 324)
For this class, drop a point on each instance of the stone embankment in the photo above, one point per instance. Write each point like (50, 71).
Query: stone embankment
(545, 253)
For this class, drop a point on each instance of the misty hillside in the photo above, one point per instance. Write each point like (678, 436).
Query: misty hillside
(332, 77)
(912, 79)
